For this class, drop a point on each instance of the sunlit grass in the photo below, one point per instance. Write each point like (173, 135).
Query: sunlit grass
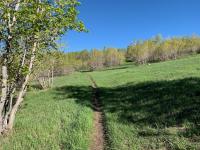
(152, 106)
(52, 120)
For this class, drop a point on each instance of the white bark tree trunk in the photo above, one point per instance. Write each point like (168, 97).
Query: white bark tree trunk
(3, 96)
(22, 90)
(52, 76)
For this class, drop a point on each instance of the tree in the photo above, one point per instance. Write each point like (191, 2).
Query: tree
(159, 49)
(112, 57)
(83, 56)
(45, 67)
(28, 27)
(96, 60)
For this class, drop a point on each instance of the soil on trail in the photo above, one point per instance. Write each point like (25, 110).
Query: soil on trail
(98, 139)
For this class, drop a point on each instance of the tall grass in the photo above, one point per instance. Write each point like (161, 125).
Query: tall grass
(53, 119)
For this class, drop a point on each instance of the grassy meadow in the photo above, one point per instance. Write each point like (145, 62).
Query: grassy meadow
(152, 106)
(56, 119)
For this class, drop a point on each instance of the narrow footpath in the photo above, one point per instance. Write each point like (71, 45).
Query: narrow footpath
(98, 138)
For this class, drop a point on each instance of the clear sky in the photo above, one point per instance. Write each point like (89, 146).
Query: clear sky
(116, 23)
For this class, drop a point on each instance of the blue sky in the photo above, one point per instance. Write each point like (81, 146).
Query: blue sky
(116, 23)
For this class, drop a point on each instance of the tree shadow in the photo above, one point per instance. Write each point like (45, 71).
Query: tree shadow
(114, 68)
(160, 104)
(81, 94)
(107, 68)
(35, 86)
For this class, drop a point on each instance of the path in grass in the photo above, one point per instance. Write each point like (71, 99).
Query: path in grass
(98, 140)
(153, 106)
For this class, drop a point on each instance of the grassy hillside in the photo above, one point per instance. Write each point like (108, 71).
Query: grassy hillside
(53, 119)
(153, 106)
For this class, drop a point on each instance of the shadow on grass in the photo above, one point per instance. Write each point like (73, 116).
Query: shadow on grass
(35, 86)
(114, 68)
(106, 69)
(158, 104)
(81, 94)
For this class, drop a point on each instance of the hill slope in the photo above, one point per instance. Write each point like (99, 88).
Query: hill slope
(154, 106)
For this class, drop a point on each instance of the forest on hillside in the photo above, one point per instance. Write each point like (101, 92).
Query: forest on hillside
(156, 49)
(142, 51)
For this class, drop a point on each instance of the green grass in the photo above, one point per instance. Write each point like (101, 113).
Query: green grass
(53, 119)
(146, 107)
(154, 106)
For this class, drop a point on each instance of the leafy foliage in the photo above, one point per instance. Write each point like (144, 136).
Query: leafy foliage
(158, 49)
(28, 28)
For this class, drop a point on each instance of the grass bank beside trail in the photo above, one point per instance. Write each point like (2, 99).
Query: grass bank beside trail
(55, 119)
(154, 106)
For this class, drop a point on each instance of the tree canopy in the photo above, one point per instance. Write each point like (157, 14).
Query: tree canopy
(27, 28)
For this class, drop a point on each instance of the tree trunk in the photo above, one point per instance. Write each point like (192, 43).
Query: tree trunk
(3, 96)
(22, 91)
(52, 76)
(6, 95)
(49, 78)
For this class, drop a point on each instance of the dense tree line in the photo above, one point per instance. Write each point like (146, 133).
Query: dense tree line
(57, 63)
(152, 50)
(84, 60)
(159, 49)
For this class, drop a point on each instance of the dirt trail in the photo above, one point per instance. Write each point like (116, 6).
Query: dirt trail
(98, 138)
